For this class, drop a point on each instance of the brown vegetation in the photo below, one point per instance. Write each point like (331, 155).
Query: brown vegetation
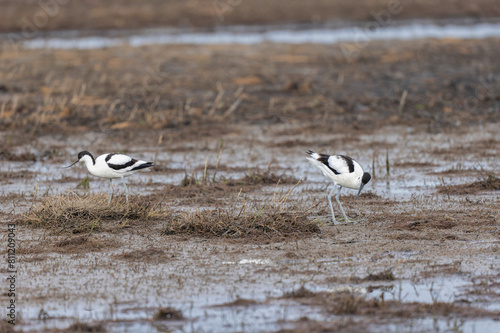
(168, 313)
(243, 222)
(179, 107)
(79, 327)
(128, 14)
(353, 303)
(75, 214)
(190, 238)
(488, 183)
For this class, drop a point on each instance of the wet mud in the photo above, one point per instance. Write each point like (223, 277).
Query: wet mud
(228, 129)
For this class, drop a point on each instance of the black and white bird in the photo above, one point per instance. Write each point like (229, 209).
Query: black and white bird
(344, 171)
(112, 166)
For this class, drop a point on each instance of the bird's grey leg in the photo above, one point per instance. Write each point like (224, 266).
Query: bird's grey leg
(342, 209)
(126, 189)
(331, 206)
(111, 192)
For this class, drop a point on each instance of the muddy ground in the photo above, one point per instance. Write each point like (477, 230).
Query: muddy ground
(31, 17)
(227, 128)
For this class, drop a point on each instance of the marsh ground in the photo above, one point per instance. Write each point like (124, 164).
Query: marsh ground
(227, 128)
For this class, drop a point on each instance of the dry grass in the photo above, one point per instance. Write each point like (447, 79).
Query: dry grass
(6, 154)
(274, 218)
(128, 14)
(352, 303)
(386, 275)
(6, 327)
(78, 214)
(251, 178)
(188, 104)
(237, 302)
(84, 243)
(75, 214)
(346, 303)
(263, 178)
(84, 328)
(487, 183)
(150, 255)
(299, 293)
(168, 313)
(230, 222)
(440, 219)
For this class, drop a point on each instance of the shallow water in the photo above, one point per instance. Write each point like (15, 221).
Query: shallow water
(415, 169)
(118, 296)
(126, 294)
(237, 35)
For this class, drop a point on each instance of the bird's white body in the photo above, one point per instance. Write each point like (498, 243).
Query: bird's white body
(112, 166)
(344, 178)
(343, 171)
(102, 166)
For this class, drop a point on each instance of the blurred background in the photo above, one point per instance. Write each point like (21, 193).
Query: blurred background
(81, 64)
(225, 97)
(126, 14)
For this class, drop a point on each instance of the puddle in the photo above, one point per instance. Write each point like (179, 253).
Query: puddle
(436, 290)
(127, 306)
(249, 261)
(413, 325)
(407, 178)
(238, 35)
(203, 285)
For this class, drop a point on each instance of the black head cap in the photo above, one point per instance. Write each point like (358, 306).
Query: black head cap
(366, 178)
(83, 153)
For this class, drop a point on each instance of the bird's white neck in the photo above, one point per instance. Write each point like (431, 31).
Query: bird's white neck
(89, 163)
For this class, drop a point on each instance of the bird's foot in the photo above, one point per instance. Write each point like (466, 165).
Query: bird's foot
(337, 221)
(346, 220)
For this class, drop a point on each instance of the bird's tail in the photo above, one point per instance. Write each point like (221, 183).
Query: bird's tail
(143, 166)
(318, 160)
(313, 155)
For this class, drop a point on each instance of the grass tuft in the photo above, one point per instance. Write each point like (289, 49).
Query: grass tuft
(263, 178)
(233, 223)
(273, 218)
(345, 303)
(299, 293)
(487, 183)
(79, 327)
(386, 275)
(168, 313)
(77, 214)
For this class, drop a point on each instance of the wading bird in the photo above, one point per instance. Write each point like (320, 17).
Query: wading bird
(111, 166)
(343, 171)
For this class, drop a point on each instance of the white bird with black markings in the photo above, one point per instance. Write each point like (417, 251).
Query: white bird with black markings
(112, 166)
(344, 171)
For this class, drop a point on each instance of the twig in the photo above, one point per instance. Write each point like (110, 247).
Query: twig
(217, 100)
(402, 102)
(217, 165)
(160, 139)
(232, 108)
(205, 171)
(288, 193)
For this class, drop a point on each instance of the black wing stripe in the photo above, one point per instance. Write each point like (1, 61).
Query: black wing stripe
(122, 166)
(143, 166)
(324, 159)
(349, 161)
(108, 157)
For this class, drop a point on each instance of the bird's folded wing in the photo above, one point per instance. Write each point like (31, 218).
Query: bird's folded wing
(121, 163)
(340, 164)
